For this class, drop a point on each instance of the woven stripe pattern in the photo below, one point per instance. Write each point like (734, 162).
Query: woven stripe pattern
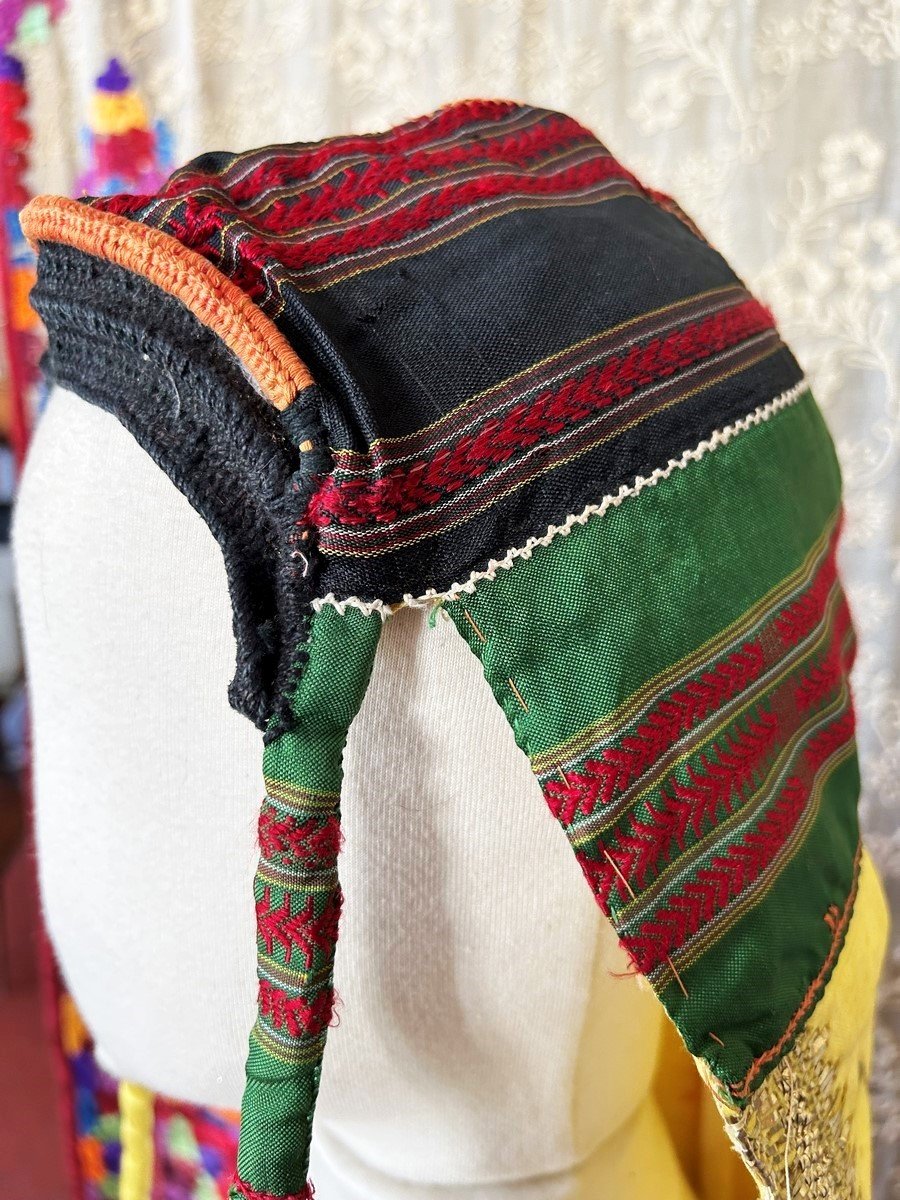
(503, 320)
(542, 399)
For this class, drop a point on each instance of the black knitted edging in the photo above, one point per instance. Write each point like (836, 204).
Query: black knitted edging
(303, 425)
(137, 352)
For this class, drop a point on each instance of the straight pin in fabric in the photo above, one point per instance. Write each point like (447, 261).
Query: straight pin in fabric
(716, 1039)
(518, 695)
(615, 866)
(474, 625)
(678, 978)
(631, 892)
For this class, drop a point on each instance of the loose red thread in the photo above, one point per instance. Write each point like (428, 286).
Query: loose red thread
(407, 489)
(310, 843)
(635, 970)
(296, 1015)
(250, 1193)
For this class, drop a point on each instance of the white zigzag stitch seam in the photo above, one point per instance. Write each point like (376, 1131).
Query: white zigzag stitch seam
(719, 438)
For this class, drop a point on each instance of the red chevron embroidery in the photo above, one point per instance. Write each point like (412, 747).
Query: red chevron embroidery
(407, 489)
(742, 863)
(302, 162)
(302, 930)
(715, 886)
(598, 781)
(295, 1015)
(822, 679)
(600, 874)
(375, 179)
(801, 617)
(717, 782)
(200, 222)
(714, 785)
(602, 778)
(311, 842)
(831, 738)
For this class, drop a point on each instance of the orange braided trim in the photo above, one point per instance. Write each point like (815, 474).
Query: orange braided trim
(201, 287)
(743, 1088)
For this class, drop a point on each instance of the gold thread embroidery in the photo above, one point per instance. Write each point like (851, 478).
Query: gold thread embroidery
(795, 1134)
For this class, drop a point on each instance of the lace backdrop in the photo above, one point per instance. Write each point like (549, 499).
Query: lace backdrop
(771, 121)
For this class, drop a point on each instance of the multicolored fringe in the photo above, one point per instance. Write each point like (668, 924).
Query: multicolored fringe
(24, 340)
(94, 1102)
(126, 152)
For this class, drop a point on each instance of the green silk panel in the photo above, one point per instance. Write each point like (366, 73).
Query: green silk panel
(676, 670)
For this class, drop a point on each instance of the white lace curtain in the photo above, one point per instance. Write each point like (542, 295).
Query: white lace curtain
(772, 122)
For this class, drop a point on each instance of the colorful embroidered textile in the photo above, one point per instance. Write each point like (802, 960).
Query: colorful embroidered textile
(127, 1143)
(473, 362)
(90, 1100)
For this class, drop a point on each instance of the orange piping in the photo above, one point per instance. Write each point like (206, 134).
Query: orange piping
(211, 296)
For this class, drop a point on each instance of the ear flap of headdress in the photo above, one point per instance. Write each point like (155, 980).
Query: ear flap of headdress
(675, 663)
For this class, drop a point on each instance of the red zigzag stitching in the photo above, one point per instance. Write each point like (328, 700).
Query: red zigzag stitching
(301, 930)
(423, 483)
(742, 863)
(601, 779)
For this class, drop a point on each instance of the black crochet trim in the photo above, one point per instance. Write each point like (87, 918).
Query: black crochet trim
(132, 349)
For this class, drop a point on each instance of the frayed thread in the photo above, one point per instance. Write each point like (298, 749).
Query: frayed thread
(240, 1190)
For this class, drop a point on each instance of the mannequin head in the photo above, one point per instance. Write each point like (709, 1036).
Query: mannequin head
(479, 984)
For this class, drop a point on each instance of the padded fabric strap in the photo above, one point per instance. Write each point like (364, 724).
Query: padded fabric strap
(298, 903)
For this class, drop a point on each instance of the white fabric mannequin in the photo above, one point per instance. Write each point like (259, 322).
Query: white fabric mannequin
(485, 1046)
